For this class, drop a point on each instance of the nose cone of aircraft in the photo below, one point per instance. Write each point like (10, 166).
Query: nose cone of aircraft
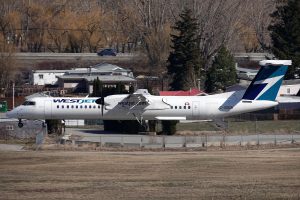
(11, 114)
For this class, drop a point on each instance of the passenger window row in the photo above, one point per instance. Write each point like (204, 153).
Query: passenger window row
(181, 107)
(77, 106)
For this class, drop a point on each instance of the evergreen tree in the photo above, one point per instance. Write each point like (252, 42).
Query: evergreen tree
(97, 88)
(185, 60)
(285, 35)
(222, 73)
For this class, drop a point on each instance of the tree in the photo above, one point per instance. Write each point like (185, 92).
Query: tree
(254, 27)
(285, 34)
(97, 88)
(222, 73)
(185, 60)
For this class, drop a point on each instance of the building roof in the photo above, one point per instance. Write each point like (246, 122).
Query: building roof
(109, 67)
(291, 82)
(98, 68)
(49, 71)
(192, 92)
(40, 94)
(103, 78)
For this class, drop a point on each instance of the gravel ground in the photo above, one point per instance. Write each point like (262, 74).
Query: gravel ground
(247, 174)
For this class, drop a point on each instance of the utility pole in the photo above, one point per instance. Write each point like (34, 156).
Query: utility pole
(13, 95)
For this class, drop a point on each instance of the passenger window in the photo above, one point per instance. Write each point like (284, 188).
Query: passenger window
(67, 106)
(76, 107)
(57, 106)
(189, 107)
(90, 106)
(72, 106)
(85, 107)
(94, 107)
(80, 106)
(171, 107)
(184, 107)
(62, 106)
(175, 107)
(99, 107)
(179, 107)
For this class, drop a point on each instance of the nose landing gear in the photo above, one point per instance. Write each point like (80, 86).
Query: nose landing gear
(20, 124)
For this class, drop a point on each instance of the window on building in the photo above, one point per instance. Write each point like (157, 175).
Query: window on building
(289, 90)
(41, 76)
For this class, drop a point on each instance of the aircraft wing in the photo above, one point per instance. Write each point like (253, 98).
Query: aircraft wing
(141, 99)
(138, 101)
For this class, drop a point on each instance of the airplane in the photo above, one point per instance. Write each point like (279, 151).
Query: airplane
(261, 94)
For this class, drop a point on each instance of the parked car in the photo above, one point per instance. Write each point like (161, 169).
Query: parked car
(107, 52)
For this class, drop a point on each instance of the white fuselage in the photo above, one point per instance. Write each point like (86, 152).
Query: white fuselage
(160, 107)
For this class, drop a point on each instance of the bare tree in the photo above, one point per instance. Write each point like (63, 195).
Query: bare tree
(7, 66)
(154, 29)
(254, 27)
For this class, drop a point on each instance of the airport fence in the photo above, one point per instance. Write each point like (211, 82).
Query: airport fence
(147, 141)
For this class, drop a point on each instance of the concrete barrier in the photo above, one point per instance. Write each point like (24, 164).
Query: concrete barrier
(146, 141)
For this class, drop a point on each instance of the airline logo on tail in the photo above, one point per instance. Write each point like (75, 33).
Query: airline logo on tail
(267, 82)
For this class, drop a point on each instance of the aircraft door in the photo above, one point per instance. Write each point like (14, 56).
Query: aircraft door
(196, 109)
(48, 109)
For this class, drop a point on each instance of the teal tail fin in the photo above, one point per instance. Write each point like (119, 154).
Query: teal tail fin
(266, 84)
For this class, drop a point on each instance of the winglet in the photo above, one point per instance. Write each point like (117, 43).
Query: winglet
(266, 84)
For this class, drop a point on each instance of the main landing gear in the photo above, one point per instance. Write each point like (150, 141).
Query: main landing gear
(20, 124)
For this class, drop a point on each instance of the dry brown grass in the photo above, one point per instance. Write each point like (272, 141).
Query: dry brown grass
(252, 174)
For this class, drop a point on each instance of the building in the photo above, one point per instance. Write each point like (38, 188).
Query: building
(80, 80)
(84, 83)
(45, 77)
(288, 87)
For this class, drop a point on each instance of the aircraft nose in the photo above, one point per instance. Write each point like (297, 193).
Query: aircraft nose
(11, 114)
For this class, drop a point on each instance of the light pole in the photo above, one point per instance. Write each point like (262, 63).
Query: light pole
(199, 83)
(13, 94)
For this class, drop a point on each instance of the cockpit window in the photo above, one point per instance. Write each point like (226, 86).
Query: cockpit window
(28, 103)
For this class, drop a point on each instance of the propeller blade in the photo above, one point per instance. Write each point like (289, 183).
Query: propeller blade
(102, 106)
(100, 101)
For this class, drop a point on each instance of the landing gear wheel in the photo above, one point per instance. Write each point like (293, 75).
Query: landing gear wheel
(20, 124)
